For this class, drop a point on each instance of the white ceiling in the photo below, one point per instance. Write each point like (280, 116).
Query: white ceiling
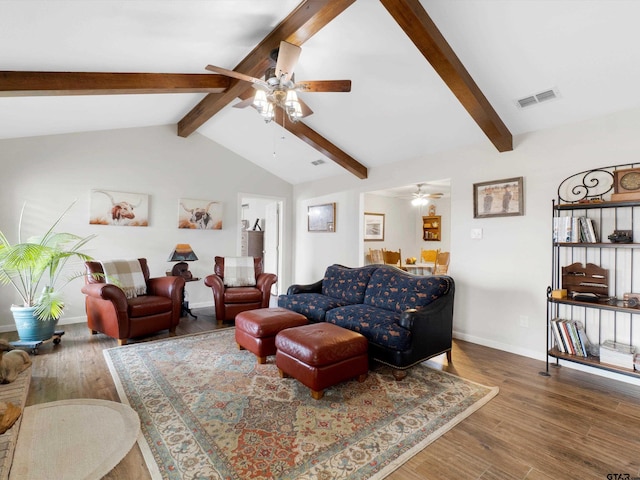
(398, 108)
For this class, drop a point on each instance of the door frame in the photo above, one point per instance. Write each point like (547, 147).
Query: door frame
(243, 198)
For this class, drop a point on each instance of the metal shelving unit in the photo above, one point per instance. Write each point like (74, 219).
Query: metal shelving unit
(584, 195)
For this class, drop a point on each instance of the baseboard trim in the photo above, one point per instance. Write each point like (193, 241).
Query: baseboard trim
(83, 318)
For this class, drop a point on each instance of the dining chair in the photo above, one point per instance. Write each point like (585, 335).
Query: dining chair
(375, 255)
(391, 257)
(442, 263)
(429, 258)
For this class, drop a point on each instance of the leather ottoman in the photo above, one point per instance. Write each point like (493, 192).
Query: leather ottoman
(256, 330)
(321, 355)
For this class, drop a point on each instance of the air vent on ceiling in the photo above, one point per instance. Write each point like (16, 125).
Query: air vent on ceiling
(538, 98)
(317, 162)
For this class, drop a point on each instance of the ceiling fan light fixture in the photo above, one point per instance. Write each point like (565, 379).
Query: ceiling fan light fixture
(260, 101)
(418, 201)
(292, 106)
(268, 112)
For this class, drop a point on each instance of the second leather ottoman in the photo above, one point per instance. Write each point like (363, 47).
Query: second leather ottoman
(256, 330)
(321, 355)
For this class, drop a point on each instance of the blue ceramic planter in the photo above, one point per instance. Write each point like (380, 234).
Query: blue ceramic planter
(30, 328)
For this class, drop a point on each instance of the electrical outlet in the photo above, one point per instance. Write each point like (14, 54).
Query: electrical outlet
(524, 321)
(476, 233)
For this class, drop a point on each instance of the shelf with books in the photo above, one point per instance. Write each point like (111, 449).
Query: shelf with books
(595, 278)
(592, 362)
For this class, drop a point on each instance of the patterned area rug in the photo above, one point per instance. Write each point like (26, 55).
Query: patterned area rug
(208, 410)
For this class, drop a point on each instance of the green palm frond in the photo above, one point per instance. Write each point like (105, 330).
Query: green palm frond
(40, 261)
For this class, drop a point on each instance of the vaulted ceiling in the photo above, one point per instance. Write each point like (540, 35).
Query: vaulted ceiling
(427, 75)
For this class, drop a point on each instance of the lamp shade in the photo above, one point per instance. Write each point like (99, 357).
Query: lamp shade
(182, 253)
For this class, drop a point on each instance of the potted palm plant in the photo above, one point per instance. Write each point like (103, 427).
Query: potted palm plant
(35, 268)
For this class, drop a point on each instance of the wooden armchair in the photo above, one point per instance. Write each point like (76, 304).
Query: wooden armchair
(109, 311)
(230, 301)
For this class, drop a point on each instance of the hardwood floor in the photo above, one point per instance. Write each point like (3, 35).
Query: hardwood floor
(572, 425)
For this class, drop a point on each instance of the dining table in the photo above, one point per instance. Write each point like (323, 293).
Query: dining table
(419, 268)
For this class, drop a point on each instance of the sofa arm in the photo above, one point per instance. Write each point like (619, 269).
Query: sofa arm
(216, 284)
(305, 288)
(108, 292)
(434, 320)
(264, 282)
(170, 287)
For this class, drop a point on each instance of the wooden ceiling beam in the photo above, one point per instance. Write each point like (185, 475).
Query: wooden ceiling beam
(324, 146)
(300, 25)
(416, 23)
(21, 84)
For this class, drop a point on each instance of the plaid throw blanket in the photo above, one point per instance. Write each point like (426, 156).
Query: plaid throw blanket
(239, 272)
(126, 274)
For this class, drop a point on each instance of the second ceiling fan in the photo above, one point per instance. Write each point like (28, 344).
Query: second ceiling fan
(279, 89)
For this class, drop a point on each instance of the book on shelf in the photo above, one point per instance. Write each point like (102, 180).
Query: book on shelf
(587, 230)
(565, 336)
(571, 338)
(574, 230)
(588, 348)
(564, 329)
(559, 341)
(618, 354)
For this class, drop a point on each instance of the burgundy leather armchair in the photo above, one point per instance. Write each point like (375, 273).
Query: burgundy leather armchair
(110, 312)
(230, 301)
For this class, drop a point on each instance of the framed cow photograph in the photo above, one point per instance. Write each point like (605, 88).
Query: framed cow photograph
(199, 214)
(119, 208)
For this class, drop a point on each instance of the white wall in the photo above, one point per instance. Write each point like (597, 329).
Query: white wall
(50, 172)
(501, 279)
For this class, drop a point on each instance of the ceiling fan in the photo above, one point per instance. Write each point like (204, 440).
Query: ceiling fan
(422, 198)
(278, 88)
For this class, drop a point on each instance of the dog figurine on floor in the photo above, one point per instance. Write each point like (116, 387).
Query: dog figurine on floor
(12, 362)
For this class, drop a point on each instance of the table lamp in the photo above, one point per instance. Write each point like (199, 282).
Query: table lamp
(182, 253)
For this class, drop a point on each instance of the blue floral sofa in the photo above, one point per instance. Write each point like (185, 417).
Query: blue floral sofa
(406, 318)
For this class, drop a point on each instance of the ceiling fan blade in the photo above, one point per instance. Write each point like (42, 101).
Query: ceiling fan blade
(288, 55)
(247, 102)
(324, 86)
(258, 83)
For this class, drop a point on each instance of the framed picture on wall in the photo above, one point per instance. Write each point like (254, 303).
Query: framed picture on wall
(321, 218)
(119, 208)
(199, 214)
(373, 227)
(498, 198)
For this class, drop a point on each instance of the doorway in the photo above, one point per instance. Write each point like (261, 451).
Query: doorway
(261, 220)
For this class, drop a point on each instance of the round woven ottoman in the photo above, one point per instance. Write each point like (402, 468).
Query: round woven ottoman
(321, 355)
(256, 330)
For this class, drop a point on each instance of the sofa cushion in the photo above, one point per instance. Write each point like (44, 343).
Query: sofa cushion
(346, 284)
(398, 291)
(377, 325)
(312, 305)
